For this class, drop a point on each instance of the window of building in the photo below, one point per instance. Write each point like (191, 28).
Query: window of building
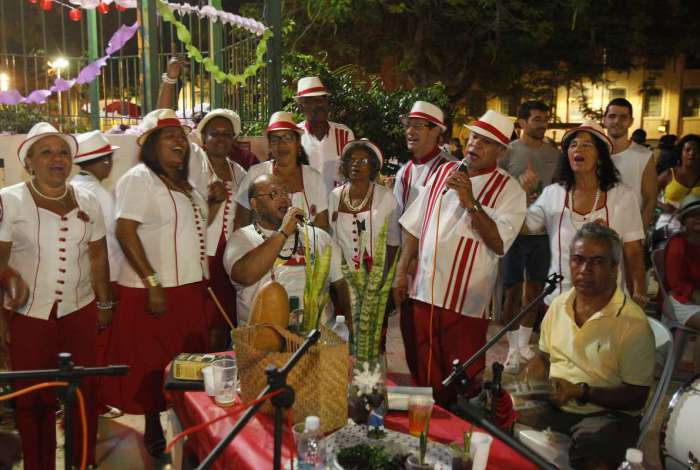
(690, 102)
(615, 93)
(652, 102)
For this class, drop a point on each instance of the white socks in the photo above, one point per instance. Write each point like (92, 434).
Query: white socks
(524, 334)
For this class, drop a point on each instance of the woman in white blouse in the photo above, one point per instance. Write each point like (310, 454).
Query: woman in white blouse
(161, 226)
(360, 207)
(53, 235)
(588, 190)
(306, 187)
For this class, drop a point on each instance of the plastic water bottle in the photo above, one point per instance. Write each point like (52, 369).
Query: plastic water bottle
(341, 329)
(633, 460)
(311, 449)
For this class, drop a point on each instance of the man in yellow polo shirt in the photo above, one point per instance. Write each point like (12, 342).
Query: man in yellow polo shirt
(597, 351)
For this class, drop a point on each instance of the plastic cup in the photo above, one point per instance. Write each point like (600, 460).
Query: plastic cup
(480, 447)
(225, 381)
(420, 407)
(208, 375)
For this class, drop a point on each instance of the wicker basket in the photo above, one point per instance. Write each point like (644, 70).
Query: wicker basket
(319, 379)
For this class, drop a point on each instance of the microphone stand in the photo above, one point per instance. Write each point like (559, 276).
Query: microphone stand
(459, 375)
(458, 371)
(66, 372)
(276, 380)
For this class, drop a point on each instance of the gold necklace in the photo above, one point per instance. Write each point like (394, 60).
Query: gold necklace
(348, 201)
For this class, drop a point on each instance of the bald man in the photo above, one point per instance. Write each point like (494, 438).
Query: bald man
(272, 248)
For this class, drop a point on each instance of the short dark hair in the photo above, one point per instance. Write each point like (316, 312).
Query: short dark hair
(601, 233)
(149, 155)
(359, 145)
(532, 105)
(608, 176)
(685, 139)
(618, 102)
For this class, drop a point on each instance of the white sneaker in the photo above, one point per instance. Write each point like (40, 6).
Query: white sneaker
(527, 353)
(512, 364)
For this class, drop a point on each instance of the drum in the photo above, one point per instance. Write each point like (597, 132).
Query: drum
(679, 443)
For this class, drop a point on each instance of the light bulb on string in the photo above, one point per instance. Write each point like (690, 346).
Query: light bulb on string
(46, 5)
(103, 8)
(75, 14)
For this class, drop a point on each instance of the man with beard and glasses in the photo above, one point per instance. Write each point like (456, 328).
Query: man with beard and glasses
(462, 222)
(532, 160)
(633, 161)
(323, 140)
(272, 248)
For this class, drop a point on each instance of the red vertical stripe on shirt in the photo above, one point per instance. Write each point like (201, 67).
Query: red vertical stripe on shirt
(454, 289)
(487, 198)
(465, 290)
(406, 183)
(498, 193)
(452, 271)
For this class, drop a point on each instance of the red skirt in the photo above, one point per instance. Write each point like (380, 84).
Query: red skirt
(223, 289)
(147, 344)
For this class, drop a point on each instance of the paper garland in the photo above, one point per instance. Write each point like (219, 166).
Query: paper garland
(217, 74)
(86, 75)
(92, 4)
(215, 15)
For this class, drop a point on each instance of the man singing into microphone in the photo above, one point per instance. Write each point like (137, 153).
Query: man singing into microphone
(465, 218)
(272, 248)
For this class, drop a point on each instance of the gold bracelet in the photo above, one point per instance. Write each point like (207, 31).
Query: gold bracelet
(152, 281)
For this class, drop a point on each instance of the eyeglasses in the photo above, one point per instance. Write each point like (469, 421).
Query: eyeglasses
(593, 261)
(416, 125)
(275, 193)
(222, 135)
(276, 139)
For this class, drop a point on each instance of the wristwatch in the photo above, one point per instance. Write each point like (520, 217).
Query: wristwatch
(476, 208)
(585, 393)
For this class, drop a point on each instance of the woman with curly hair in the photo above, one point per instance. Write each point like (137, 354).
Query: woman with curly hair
(588, 189)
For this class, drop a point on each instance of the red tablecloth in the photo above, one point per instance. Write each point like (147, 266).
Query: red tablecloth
(253, 447)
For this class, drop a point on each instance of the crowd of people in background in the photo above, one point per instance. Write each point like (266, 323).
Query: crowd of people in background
(134, 277)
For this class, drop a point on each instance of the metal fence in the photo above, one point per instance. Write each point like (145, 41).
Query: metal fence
(36, 46)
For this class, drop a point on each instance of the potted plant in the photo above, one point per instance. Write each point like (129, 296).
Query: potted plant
(461, 452)
(418, 462)
(371, 285)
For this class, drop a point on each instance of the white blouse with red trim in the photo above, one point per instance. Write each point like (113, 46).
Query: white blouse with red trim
(456, 270)
(551, 212)
(172, 228)
(50, 251)
(413, 176)
(324, 154)
(313, 199)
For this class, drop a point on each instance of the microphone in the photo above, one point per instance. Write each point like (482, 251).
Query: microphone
(463, 166)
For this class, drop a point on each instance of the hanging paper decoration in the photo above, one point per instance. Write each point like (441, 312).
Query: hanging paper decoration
(46, 5)
(74, 14)
(91, 4)
(86, 75)
(219, 76)
(103, 8)
(215, 15)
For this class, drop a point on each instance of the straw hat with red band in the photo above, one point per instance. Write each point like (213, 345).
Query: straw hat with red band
(365, 143)
(429, 112)
(159, 119)
(93, 145)
(310, 86)
(39, 131)
(283, 121)
(493, 125)
(593, 128)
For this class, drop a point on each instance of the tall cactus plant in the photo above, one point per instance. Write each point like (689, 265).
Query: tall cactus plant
(371, 293)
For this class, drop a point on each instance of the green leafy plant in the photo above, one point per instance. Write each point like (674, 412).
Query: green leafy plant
(371, 293)
(424, 442)
(464, 451)
(316, 294)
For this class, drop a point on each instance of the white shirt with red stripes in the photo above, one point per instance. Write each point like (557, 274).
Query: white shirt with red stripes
(456, 270)
(49, 251)
(414, 175)
(324, 154)
(172, 228)
(551, 212)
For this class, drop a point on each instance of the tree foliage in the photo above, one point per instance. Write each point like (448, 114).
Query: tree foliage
(480, 48)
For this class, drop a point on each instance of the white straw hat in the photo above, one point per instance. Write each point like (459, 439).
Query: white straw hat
(310, 86)
(283, 121)
(40, 130)
(232, 116)
(493, 125)
(159, 119)
(429, 112)
(93, 145)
